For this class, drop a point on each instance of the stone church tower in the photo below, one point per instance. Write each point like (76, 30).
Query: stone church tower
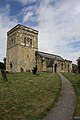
(22, 43)
(22, 53)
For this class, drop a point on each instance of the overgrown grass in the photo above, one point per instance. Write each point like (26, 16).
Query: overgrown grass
(28, 97)
(75, 80)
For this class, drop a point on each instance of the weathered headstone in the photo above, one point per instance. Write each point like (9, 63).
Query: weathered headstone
(3, 72)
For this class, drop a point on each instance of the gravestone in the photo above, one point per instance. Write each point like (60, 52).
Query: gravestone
(3, 72)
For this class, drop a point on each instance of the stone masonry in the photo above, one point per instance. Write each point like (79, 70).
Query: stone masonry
(22, 53)
(22, 42)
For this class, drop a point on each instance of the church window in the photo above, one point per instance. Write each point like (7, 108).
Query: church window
(29, 41)
(62, 66)
(11, 65)
(12, 40)
(25, 40)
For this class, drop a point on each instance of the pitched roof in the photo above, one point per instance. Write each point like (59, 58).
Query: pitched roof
(50, 56)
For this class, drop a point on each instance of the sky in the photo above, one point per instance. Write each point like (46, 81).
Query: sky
(58, 23)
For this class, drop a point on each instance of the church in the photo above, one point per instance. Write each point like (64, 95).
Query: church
(22, 53)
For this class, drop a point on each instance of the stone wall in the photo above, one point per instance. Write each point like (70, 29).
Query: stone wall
(22, 43)
(58, 66)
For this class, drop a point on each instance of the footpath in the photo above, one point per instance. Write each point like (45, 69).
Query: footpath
(64, 109)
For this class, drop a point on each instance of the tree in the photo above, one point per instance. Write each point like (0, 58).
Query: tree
(74, 68)
(4, 61)
(3, 72)
(2, 65)
(78, 64)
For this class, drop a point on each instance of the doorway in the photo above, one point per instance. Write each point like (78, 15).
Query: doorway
(55, 68)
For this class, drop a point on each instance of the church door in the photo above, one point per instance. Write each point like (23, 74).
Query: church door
(55, 68)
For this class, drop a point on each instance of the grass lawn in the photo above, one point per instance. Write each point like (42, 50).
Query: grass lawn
(75, 80)
(28, 97)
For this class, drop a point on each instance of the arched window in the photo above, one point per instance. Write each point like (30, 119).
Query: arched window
(29, 41)
(12, 40)
(55, 67)
(61, 66)
(11, 65)
(25, 40)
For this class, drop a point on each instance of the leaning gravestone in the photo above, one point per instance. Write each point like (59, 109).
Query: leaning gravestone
(3, 72)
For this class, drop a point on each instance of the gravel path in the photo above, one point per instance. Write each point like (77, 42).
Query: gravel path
(64, 109)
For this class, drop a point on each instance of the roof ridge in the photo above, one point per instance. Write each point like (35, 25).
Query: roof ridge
(49, 54)
(27, 27)
(20, 25)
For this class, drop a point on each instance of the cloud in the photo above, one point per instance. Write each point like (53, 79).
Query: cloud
(24, 2)
(27, 16)
(6, 23)
(58, 23)
(59, 26)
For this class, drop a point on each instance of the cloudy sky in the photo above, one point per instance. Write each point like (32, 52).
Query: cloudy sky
(58, 23)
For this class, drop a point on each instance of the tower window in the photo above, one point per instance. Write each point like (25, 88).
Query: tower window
(25, 40)
(11, 65)
(29, 41)
(14, 41)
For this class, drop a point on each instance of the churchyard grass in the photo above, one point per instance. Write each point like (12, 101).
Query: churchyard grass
(75, 80)
(28, 97)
